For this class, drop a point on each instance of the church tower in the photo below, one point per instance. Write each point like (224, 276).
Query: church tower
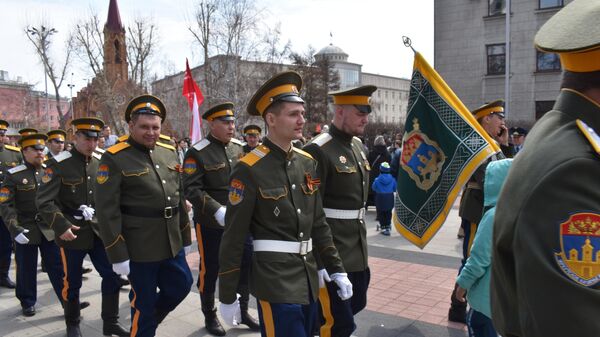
(115, 51)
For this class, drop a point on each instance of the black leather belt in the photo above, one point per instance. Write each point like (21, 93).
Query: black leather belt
(146, 212)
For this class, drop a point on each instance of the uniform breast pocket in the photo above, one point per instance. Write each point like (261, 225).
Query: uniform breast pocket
(345, 169)
(208, 167)
(25, 188)
(273, 193)
(136, 172)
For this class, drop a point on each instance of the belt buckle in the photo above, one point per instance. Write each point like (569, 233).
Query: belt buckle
(303, 247)
(168, 212)
(361, 213)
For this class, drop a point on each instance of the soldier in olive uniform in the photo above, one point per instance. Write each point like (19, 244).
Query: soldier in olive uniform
(344, 172)
(273, 195)
(545, 271)
(10, 157)
(252, 137)
(66, 202)
(56, 142)
(207, 166)
(17, 205)
(491, 118)
(143, 216)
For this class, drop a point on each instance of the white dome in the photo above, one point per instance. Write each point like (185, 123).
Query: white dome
(331, 49)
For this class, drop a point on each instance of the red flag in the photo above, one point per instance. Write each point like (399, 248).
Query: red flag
(194, 96)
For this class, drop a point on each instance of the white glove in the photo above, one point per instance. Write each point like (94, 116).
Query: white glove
(121, 268)
(220, 215)
(21, 238)
(342, 281)
(323, 277)
(187, 249)
(88, 212)
(231, 313)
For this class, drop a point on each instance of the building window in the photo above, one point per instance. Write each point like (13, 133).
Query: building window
(551, 3)
(497, 7)
(541, 107)
(547, 61)
(496, 59)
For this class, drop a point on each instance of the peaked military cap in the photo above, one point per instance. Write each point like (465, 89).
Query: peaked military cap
(574, 34)
(35, 140)
(223, 111)
(4, 125)
(146, 105)
(495, 107)
(283, 87)
(518, 131)
(57, 135)
(90, 126)
(252, 130)
(27, 131)
(359, 97)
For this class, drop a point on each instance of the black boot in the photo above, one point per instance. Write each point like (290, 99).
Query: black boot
(110, 316)
(458, 309)
(72, 318)
(6, 282)
(211, 322)
(248, 320)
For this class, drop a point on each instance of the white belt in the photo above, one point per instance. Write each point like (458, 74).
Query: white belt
(279, 246)
(344, 213)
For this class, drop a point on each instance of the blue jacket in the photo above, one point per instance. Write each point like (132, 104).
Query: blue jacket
(384, 186)
(475, 276)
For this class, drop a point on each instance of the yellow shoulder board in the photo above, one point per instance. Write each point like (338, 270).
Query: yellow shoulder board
(255, 155)
(117, 147)
(12, 148)
(123, 138)
(302, 152)
(166, 146)
(590, 134)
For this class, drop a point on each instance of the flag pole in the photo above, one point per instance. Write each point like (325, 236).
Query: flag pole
(408, 43)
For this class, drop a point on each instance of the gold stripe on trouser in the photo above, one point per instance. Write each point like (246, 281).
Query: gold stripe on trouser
(136, 316)
(202, 257)
(65, 289)
(326, 308)
(471, 237)
(267, 315)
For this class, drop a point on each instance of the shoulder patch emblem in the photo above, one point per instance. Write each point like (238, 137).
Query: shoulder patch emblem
(322, 139)
(236, 192)
(166, 146)
(102, 174)
(255, 155)
(17, 169)
(302, 152)
(590, 134)
(118, 147)
(48, 174)
(189, 166)
(4, 194)
(201, 144)
(62, 156)
(580, 246)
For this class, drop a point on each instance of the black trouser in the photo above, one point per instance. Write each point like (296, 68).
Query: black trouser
(6, 247)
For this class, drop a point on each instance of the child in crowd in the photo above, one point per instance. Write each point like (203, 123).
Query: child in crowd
(384, 186)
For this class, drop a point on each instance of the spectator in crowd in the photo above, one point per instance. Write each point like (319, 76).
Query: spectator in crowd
(109, 139)
(376, 157)
(384, 187)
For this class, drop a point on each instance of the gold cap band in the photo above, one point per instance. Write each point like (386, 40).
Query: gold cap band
(581, 62)
(266, 100)
(252, 132)
(219, 114)
(145, 105)
(56, 136)
(488, 111)
(90, 127)
(351, 100)
(32, 142)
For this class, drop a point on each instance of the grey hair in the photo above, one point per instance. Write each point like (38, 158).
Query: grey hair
(379, 140)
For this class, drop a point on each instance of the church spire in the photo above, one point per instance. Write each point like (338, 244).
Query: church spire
(113, 21)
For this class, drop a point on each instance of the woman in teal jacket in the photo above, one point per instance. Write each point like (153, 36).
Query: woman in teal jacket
(474, 278)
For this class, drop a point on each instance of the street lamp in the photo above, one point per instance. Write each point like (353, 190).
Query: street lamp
(43, 42)
(71, 85)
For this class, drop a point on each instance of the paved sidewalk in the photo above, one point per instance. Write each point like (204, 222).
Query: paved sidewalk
(408, 296)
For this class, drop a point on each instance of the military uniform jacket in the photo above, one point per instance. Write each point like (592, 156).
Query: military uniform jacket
(17, 203)
(207, 166)
(66, 185)
(471, 201)
(344, 172)
(545, 270)
(10, 157)
(273, 195)
(140, 203)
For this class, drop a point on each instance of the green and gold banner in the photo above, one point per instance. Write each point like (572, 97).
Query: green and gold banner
(442, 146)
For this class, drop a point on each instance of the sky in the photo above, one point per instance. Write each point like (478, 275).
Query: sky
(369, 31)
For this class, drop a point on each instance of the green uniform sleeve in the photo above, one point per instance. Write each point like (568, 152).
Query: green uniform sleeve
(108, 211)
(237, 226)
(46, 201)
(7, 206)
(194, 187)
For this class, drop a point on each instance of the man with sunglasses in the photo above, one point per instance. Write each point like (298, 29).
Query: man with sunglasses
(56, 142)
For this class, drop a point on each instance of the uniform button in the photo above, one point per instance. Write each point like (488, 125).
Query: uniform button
(301, 234)
(164, 181)
(150, 151)
(289, 163)
(293, 186)
(168, 198)
(90, 191)
(304, 257)
(157, 166)
(298, 211)
(230, 160)
(38, 184)
(89, 177)
(37, 173)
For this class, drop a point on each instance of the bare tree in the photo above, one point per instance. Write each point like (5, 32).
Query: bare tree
(89, 42)
(141, 44)
(40, 38)
(202, 30)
